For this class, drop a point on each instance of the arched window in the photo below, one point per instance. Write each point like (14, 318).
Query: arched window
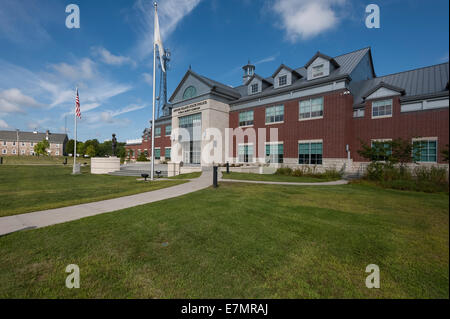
(190, 92)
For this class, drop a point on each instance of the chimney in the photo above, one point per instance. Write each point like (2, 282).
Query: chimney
(249, 70)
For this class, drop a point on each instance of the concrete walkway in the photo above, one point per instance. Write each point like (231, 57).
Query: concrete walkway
(339, 182)
(10, 224)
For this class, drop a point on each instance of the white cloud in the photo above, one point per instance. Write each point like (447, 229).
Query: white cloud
(84, 69)
(14, 101)
(111, 59)
(3, 124)
(170, 13)
(305, 19)
(148, 78)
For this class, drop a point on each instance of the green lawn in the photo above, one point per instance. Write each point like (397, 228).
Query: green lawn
(42, 160)
(187, 175)
(31, 188)
(242, 241)
(275, 178)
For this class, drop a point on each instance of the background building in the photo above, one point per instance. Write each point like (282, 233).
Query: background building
(22, 143)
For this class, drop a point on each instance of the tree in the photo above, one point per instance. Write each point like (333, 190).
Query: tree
(41, 147)
(142, 158)
(393, 152)
(69, 147)
(94, 143)
(90, 151)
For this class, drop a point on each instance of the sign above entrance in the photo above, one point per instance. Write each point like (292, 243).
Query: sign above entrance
(189, 108)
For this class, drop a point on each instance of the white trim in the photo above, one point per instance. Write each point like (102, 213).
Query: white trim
(276, 143)
(381, 140)
(418, 139)
(310, 141)
(381, 117)
(273, 123)
(245, 126)
(311, 118)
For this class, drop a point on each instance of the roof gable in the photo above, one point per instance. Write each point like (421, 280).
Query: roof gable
(323, 56)
(282, 66)
(388, 87)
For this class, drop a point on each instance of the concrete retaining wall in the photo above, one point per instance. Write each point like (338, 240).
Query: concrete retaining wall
(104, 165)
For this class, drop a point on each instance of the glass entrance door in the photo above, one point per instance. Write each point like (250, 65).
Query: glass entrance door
(192, 147)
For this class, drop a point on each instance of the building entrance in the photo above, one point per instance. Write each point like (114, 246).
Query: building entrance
(191, 147)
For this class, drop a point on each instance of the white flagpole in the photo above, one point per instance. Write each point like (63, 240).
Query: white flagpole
(153, 109)
(75, 141)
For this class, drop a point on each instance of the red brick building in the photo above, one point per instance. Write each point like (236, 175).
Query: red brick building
(320, 111)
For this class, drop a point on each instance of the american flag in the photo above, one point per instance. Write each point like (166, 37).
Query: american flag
(77, 106)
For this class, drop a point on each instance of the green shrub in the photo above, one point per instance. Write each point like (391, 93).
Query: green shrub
(142, 158)
(284, 171)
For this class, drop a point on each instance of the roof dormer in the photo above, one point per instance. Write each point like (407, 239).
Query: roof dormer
(284, 76)
(383, 90)
(256, 84)
(320, 66)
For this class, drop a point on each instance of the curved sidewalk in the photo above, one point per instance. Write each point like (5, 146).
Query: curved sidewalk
(339, 182)
(10, 224)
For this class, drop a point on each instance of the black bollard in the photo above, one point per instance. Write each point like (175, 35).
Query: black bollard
(215, 176)
(228, 167)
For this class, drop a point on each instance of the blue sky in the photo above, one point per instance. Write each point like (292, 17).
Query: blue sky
(109, 57)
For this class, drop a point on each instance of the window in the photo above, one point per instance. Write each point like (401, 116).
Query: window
(245, 153)
(4, 151)
(255, 88)
(274, 153)
(310, 153)
(246, 118)
(32, 144)
(14, 143)
(312, 108)
(189, 93)
(157, 153)
(382, 108)
(383, 149)
(275, 114)
(282, 80)
(425, 151)
(57, 153)
(22, 152)
(317, 70)
(23, 143)
(168, 130)
(358, 113)
(14, 151)
(167, 152)
(4, 143)
(157, 132)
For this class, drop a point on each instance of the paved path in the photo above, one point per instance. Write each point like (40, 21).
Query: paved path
(49, 217)
(340, 182)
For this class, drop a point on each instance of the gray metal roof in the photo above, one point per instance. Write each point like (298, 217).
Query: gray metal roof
(428, 81)
(32, 137)
(347, 63)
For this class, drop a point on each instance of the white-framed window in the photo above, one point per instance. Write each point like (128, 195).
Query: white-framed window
(4, 143)
(157, 153)
(246, 118)
(311, 109)
(168, 130)
(4, 152)
(317, 70)
(245, 153)
(14, 143)
(274, 152)
(23, 143)
(32, 144)
(310, 152)
(157, 131)
(57, 153)
(358, 113)
(425, 150)
(56, 145)
(254, 88)
(14, 151)
(382, 108)
(274, 114)
(167, 153)
(282, 80)
(31, 152)
(22, 152)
